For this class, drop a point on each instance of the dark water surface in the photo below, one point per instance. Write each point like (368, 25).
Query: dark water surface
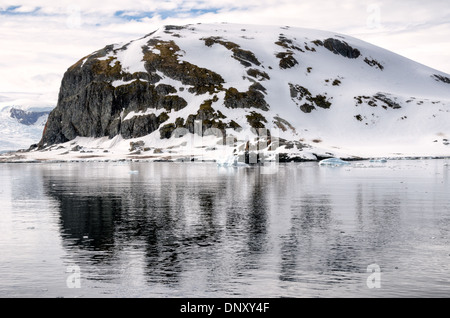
(196, 230)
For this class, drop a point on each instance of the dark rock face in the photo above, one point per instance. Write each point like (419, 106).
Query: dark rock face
(307, 108)
(442, 79)
(99, 97)
(339, 47)
(257, 74)
(374, 101)
(287, 43)
(97, 93)
(388, 101)
(256, 120)
(206, 115)
(140, 126)
(374, 63)
(93, 108)
(90, 106)
(300, 93)
(253, 98)
(287, 60)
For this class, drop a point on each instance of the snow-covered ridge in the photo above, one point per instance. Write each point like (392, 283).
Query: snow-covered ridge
(20, 127)
(323, 94)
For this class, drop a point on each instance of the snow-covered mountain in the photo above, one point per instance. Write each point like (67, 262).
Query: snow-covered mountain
(21, 127)
(321, 93)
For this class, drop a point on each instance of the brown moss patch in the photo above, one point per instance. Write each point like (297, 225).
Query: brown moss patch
(300, 93)
(209, 117)
(283, 124)
(286, 43)
(287, 60)
(167, 62)
(250, 99)
(256, 120)
(103, 67)
(260, 75)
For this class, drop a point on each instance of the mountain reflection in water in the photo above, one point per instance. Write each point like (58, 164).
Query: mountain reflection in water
(199, 230)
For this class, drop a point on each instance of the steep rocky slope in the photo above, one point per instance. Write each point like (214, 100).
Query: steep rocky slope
(322, 94)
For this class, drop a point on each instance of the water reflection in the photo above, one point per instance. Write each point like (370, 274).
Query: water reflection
(191, 224)
(89, 221)
(177, 220)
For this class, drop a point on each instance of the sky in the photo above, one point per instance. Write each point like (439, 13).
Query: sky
(40, 39)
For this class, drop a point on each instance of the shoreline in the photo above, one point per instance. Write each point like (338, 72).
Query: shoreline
(192, 159)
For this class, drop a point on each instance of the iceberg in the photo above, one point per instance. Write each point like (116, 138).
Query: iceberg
(334, 162)
(378, 160)
(231, 161)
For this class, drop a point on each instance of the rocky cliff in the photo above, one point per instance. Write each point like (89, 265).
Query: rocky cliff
(316, 88)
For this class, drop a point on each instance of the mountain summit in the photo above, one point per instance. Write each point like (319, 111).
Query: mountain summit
(323, 93)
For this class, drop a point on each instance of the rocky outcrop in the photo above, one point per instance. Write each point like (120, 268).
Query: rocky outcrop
(339, 47)
(374, 63)
(373, 101)
(253, 98)
(213, 80)
(442, 79)
(140, 126)
(90, 105)
(287, 60)
(300, 94)
(166, 61)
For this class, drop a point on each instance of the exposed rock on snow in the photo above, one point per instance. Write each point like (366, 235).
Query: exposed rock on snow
(209, 90)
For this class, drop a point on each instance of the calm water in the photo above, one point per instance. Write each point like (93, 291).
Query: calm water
(196, 230)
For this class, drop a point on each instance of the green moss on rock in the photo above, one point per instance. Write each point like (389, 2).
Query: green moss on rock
(256, 120)
(103, 67)
(167, 62)
(250, 99)
(260, 75)
(163, 117)
(320, 101)
(179, 122)
(300, 93)
(287, 60)
(307, 108)
(286, 43)
(206, 114)
(233, 125)
(166, 131)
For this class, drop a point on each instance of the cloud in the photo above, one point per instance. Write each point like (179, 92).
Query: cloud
(40, 39)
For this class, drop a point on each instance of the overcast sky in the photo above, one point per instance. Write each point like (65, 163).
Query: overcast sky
(40, 39)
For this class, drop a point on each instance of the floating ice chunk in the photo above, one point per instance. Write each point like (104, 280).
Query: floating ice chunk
(231, 161)
(378, 160)
(334, 162)
(134, 172)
